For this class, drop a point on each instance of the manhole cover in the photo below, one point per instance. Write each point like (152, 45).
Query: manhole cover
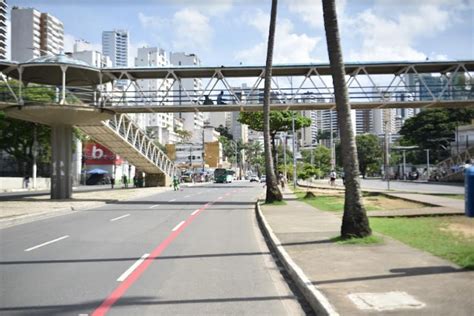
(385, 301)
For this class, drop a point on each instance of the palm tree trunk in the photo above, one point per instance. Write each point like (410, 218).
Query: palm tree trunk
(354, 221)
(273, 192)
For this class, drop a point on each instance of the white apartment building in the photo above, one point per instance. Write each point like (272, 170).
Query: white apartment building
(3, 29)
(159, 125)
(115, 44)
(35, 34)
(192, 122)
(309, 135)
(93, 58)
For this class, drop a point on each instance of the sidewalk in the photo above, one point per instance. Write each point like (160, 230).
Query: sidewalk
(389, 278)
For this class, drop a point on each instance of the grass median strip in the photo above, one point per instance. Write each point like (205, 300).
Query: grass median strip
(451, 238)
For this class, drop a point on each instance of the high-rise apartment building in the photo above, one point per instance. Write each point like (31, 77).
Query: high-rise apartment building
(3, 29)
(115, 44)
(159, 125)
(192, 122)
(35, 34)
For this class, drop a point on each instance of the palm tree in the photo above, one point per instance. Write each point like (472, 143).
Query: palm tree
(354, 221)
(273, 192)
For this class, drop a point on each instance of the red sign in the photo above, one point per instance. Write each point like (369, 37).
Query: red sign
(96, 154)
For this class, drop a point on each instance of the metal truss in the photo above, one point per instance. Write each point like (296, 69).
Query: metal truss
(139, 149)
(404, 86)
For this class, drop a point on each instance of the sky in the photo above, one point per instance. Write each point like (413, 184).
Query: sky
(234, 32)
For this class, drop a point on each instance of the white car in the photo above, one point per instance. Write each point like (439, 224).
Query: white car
(254, 179)
(263, 179)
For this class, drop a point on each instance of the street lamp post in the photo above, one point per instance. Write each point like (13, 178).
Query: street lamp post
(427, 164)
(35, 154)
(404, 166)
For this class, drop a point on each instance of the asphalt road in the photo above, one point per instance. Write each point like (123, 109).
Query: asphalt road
(195, 252)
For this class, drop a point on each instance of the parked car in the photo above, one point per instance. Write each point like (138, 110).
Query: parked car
(254, 179)
(263, 179)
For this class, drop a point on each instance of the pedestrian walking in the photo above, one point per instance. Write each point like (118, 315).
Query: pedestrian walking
(112, 182)
(176, 183)
(125, 181)
(332, 178)
(26, 182)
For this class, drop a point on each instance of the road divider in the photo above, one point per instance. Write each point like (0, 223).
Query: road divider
(132, 268)
(47, 243)
(120, 217)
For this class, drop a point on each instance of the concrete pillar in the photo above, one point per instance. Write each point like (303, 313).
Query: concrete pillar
(157, 180)
(61, 165)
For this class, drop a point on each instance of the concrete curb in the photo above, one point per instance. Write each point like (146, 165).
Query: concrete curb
(316, 299)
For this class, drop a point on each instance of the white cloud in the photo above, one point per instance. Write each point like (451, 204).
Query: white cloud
(290, 47)
(151, 22)
(192, 30)
(393, 34)
(311, 11)
(208, 7)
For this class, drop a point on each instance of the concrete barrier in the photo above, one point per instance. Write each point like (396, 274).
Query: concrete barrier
(12, 184)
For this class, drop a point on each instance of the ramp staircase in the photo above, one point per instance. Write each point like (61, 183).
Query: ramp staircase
(452, 169)
(125, 138)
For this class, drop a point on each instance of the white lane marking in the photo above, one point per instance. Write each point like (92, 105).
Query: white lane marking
(172, 200)
(154, 206)
(133, 267)
(186, 196)
(220, 198)
(47, 243)
(178, 226)
(120, 217)
(195, 212)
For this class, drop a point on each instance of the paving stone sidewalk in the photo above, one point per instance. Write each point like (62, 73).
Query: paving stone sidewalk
(389, 278)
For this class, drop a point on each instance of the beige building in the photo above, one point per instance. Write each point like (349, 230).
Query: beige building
(35, 34)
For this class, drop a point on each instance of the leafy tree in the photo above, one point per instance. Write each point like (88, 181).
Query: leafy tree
(184, 135)
(280, 121)
(17, 139)
(433, 129)
(253, 153)
(321, 158)
(354, 222)
(369, 152)
(308, 172)
(224, 131)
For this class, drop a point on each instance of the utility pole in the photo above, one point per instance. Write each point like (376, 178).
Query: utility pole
(387, 157)
(294, 147)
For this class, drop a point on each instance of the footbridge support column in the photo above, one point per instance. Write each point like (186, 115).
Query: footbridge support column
(157, 180)
(61, 160)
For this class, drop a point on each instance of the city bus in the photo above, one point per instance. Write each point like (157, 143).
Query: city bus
(222, 175)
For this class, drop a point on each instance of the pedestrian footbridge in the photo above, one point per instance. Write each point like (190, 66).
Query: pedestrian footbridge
(62, 92)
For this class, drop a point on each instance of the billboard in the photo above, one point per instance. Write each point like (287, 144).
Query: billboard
(96, 154)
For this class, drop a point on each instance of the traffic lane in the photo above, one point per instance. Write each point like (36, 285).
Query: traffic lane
(103, 250)
(16, 237)
(218, 265)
